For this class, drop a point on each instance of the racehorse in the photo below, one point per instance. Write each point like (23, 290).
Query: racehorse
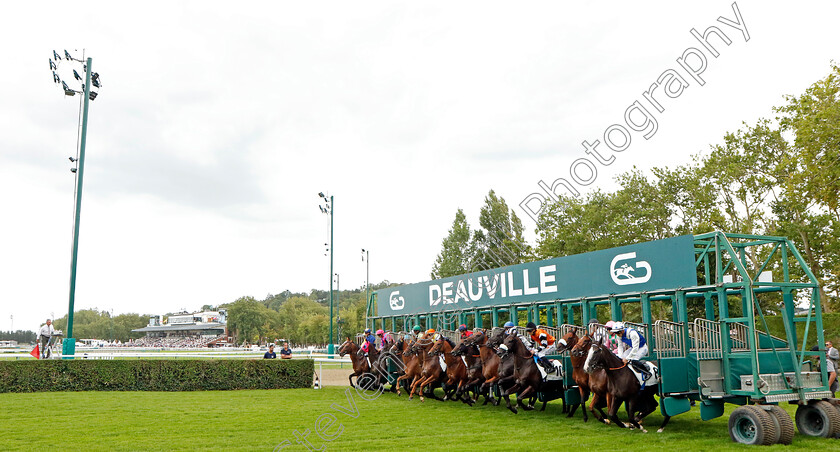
(594, 382)
(456, 370)
(360, 364)
(528, 380)
(624, 387)
(506, 377)
(411, 370)
(430, 374)
(380, 366)
(469, 353)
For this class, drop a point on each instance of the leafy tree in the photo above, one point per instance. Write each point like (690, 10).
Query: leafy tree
(499, 241)
(454, 256)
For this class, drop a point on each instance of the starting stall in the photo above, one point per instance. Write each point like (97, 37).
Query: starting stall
(702, 302)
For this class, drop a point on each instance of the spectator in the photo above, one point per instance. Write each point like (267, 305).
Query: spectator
(832, 355)
(285, 352)
(270, 353)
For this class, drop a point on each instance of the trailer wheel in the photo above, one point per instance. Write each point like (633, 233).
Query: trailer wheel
(752, 425)
(785, 424)
(818, 419)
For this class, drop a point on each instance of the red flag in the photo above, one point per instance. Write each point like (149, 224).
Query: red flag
(35, 352)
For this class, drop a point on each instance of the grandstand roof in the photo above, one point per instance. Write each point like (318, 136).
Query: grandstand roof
(181, 327)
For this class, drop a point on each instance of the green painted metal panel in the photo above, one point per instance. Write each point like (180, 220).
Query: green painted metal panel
(573, 396)
(672, 406)
(710, 409)
(659, 264)
(675, 375)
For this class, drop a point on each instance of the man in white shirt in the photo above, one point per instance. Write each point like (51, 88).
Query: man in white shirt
(44, 334)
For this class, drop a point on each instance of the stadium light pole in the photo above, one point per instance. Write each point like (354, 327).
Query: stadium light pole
(330, 210)
(366, 258)
(337, 289)
(69, 347)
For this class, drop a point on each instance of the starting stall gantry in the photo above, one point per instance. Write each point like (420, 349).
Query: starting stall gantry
(702, 302)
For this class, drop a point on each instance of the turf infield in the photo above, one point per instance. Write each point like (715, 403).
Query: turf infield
(262, 419)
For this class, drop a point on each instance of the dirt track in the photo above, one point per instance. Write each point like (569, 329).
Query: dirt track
(334, 377)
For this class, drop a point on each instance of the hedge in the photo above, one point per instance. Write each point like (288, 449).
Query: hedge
(154, 375)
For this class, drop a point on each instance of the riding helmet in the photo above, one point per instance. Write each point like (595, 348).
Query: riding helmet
(462, 328)
(509, 325)
(530, 326)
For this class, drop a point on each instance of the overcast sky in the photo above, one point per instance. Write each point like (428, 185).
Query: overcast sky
(218, 125)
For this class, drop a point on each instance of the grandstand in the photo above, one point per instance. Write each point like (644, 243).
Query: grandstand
(185, 330)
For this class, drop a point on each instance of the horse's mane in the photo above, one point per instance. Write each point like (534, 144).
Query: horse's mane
(451, 342)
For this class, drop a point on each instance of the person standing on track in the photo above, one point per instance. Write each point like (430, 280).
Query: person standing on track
(44, 335)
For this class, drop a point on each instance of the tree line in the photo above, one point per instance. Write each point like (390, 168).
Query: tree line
(779, 176)
(21, 336)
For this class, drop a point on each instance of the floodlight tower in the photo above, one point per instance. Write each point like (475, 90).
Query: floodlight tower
(366, 258)
(91, 78)
(329, 209)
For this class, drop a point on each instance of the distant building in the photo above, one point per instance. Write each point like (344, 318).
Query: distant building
(185, 329)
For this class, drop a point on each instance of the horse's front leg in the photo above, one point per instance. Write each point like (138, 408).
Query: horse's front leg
(616, 402)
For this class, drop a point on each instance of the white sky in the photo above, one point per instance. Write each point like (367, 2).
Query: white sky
(217, 126)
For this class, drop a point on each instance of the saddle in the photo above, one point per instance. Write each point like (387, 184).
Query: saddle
(645, 371)
(553, 373)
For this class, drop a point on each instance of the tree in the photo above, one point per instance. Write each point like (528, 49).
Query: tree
(499, 241)
(454, 255)
(247, 317)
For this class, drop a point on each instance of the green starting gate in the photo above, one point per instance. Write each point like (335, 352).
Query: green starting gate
(701, 301)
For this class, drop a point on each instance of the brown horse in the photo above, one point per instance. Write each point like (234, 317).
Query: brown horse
(624, 387)
(594, 382)
(528, 379)
(468, 351)
(456, 370)
(507, 377)
(490, 364)
(411, 362)
(360, 364)
(430, 374)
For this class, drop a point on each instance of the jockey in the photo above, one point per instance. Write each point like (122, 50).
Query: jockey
(369, 339)
(417, 331)
(611, 341)
(465, 333)
(511, 328)
(430, 334)
(544, 344)
(384, 339)
(632, 346)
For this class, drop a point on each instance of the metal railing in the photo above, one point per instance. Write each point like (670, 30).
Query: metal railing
(579, 330)
(669, 339)
(707, 342)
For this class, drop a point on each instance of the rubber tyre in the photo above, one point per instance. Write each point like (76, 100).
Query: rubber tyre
(776, 432)
(785, 424)
(751, 425)
(818, 419)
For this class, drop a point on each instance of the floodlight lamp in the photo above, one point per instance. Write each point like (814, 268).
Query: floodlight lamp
(321, 194)
(95, 80)
(72, 159)
(67, 90)
(72, 170)
(92, 95)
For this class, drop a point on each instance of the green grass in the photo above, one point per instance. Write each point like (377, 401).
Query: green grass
(262, 419)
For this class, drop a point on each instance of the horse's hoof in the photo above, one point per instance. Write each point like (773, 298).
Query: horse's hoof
(422, 399)
(661, 430)
(645, 431)
(606, 421)
(514, 410)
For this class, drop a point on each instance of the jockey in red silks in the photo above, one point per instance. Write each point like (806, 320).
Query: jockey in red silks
(369, 340)
(465, 333)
